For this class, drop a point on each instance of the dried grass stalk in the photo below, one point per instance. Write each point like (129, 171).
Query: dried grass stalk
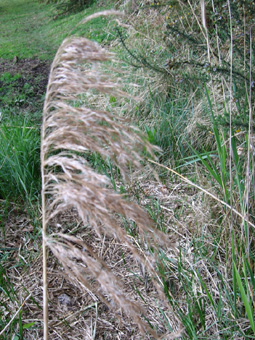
(69, 132)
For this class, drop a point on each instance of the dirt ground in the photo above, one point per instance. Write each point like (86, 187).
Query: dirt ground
(26, 67)
(27, 90)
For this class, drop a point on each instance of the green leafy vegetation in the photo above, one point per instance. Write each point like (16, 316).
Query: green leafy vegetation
(19, 160)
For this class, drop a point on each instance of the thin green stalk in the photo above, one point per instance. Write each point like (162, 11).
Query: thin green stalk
(230, 115)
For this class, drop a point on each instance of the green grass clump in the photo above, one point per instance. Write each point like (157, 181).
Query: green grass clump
(19, 160)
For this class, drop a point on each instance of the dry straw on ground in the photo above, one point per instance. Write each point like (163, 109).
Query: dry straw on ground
(71, 131)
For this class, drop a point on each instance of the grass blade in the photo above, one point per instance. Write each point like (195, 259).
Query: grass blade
(245, 299)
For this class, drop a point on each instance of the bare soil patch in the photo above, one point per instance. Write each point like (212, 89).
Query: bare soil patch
(23, 83)
(26, 67)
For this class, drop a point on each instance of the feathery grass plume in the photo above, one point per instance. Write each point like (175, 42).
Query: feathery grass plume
(70, 131)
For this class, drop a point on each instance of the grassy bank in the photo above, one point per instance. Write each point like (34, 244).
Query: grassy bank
(31, 29)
